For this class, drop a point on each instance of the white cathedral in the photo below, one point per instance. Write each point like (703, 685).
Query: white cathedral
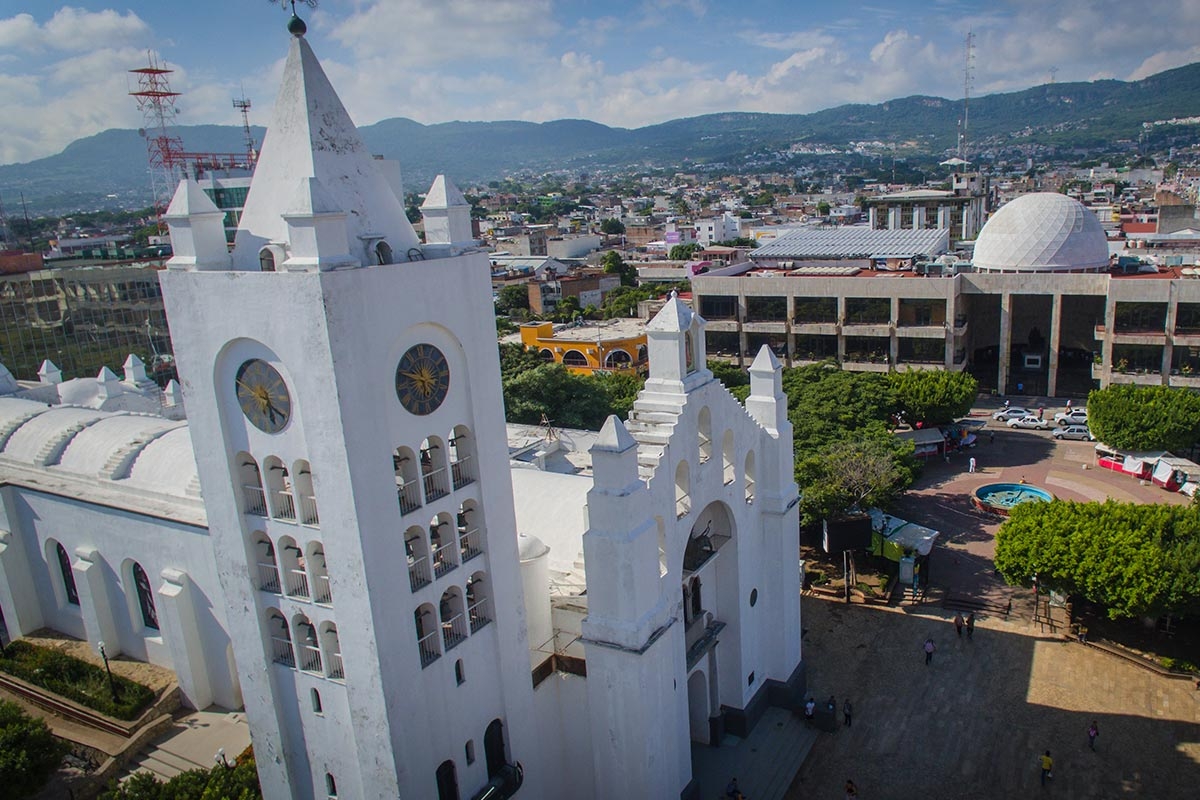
(338, 539)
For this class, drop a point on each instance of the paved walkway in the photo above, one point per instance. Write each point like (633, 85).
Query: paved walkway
(764, 762)
(193, 741)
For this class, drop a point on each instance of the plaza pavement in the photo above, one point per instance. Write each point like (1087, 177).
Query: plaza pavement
(972, 724)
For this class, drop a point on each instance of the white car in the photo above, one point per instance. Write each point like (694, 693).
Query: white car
(1012, 412)
(1073, 432)
(1029, 421)
(1076, 416)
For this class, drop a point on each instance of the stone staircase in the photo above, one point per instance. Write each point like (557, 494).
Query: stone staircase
(651, 423)
(162, 763)
(765, 763)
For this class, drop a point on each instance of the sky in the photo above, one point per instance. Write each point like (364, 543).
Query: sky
(628, 63)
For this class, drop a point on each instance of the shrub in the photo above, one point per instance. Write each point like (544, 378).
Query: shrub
(238, 782)
(29, 753)
(75, 679)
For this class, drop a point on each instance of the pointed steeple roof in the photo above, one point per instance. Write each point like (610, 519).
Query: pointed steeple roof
(312, 136)
(765, 362)
(443, 194)
(674, 316)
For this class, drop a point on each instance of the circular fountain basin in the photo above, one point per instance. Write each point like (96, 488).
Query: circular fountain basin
(1001, 498)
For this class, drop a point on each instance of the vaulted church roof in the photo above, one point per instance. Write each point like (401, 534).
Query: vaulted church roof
(312, 136)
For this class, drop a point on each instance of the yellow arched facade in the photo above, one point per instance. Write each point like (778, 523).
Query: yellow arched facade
(585, 356)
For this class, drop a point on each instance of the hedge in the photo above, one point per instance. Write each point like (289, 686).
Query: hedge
(75, 679)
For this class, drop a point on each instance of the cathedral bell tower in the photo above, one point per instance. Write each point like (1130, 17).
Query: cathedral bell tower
(343, 395)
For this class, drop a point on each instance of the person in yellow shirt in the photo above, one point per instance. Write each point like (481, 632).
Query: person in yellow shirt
(1047, 765)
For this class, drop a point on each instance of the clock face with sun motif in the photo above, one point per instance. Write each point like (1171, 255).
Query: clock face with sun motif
(263, 396)
(422, 379)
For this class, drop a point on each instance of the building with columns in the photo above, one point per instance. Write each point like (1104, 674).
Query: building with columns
(1039, 310)
(340, 540)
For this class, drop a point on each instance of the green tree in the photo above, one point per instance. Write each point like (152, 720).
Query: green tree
(683, 252)
(620, 389)
(1133, 417)
(568, 309)
(29, 753)
(823, 208)
(612, 226)
(516, 358)
(567, 400)
(856, 474)
(827, 404)
(613, 264)
(512, 298)
(236, 782)
(1133, 559)
(933, 397)
(729, 374)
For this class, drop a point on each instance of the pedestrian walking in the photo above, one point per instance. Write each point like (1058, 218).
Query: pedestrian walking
(1068, 406)
(971, 464)
(1041, 412)
(991, 437)
(731, 789)
(810, 710)
(929, 648)
(847, 710)
(1047, 767)
(1093, 732)
(958, 624)
(970, 624)
(1006, 404)
(851, 790)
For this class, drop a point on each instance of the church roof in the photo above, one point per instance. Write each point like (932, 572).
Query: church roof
(444, 194)
(312, 136)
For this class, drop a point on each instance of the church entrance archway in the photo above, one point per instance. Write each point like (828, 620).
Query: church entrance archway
(493, 747)
(697, 686)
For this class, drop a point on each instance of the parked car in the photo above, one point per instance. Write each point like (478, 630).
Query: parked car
(1030, 421)
(1012, 412)
(1076, 416)
(1073, 432)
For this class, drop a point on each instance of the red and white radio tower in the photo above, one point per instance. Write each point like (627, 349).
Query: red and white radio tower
(156, 101)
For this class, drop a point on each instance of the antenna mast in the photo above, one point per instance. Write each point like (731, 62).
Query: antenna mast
(156, 101)
(242, 104)
(968, 81)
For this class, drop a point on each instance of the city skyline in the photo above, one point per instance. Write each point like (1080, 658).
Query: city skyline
(63, 68)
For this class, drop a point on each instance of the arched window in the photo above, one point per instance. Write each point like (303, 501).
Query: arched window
(546, 355)
(469, 751)
(253, 499)
(728, 469)
(266, 260)
(407, 486)
(618, 359)
(305, 495)
(443, 544)
(68, 575)
(462, 456)
(478, 613)
(447, 781)
(266, 564)
(280, 639)
(704, 422)
(145, 596)
(574, 358)
(454, 624)
(306, 640)
(749, 477)
(331, 648)
(460, 678)
(315, 696)
(383, 253)
(330, 785)
(279, 489)
(683, 500)
(417, 552)
(470, 531)
(494, 749)
(292, 562)
(321, 593)
(425, 619)
(433, 469)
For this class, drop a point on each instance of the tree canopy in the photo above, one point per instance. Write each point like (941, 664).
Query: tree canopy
(612, 226)
(1133, 417)
(566, 399)
(932, 397)
(512, 298)
(682, 252)
(615, 265)
(1132, 559)
(29, 753)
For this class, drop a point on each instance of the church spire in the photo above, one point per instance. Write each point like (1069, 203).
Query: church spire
(311, 135)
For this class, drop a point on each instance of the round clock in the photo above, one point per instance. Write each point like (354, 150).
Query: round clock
(422, 379)
(263, 395)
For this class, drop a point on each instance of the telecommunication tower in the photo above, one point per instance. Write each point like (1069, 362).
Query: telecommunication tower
(156, 101)
(242, 104)
(968, 82)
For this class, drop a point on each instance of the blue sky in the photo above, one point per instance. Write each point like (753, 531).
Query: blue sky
(620, 62)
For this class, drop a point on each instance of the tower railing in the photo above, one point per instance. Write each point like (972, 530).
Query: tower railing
(308, 511)
(283, 506)
(463, 472)
(268, 577)
(477, 614)
(282, 652)
(310, 658)
(443, 559)
(435, 484)
(428, 646)
(297, 583)
(418, 573)
(410, 496)
(337, 671)
(454, 631)
(322, 593)
(470, 543)
(255, 501)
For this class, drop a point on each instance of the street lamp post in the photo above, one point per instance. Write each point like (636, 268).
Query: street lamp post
(221, 760)
(112, 685)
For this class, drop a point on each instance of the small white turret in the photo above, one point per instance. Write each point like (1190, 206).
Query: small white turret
(447, 215)
(197, 229)
(49, 372)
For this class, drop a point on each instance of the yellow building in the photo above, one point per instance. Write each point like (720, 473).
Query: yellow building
(616, 345)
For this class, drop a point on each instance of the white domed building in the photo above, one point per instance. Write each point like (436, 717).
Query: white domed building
(1039, 310)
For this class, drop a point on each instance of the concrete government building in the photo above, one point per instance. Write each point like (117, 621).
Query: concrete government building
(339, 539)
(1038, 310)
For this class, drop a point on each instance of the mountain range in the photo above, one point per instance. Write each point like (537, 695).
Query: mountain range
(108, 170)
